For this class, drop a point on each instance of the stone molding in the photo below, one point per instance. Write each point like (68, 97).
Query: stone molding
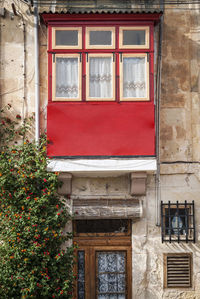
(107, 208)
(138, 183)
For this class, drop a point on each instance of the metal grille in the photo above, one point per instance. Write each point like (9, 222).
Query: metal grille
(178, 271)
(178, 222)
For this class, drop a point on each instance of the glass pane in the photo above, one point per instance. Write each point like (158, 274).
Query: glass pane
(111, 276)
(178, 220)
(133, 37)
(100, 38)
(112, 262)
(67, 77)
(100, 77)
(67, 37)
(81, 275)
(134, 77)
(102, 226)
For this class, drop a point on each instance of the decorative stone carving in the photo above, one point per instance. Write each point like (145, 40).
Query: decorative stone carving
(138, 183)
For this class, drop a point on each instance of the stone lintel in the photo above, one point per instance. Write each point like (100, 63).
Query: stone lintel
(107, 209)
(66, 179)
(138, 183)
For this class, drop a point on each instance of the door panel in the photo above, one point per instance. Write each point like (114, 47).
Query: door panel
(104, 272)
(111, 274)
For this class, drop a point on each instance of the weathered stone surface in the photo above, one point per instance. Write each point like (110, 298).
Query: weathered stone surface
(106, 208)
(138, 183)
(118, 186)
(139, 275)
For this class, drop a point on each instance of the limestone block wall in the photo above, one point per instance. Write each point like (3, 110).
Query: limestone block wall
(179, 148)
(180, 86)
(147, 248)
(17, 71)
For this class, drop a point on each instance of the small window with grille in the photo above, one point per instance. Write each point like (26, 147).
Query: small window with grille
(177, 270)
(177, 221)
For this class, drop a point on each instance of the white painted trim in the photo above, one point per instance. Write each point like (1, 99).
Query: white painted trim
(102, 166)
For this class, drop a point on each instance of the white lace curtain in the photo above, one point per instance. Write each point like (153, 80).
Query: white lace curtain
(100, 77)
(111, 275)
(134, 77)
(67, 77)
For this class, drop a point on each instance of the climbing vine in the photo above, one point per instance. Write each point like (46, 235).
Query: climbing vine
(32, 218)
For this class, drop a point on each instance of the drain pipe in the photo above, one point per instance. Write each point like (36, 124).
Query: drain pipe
(158, 94)
(37, 87)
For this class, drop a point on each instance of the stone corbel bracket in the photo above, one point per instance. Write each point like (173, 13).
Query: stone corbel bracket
(66, 179)
(138, 183)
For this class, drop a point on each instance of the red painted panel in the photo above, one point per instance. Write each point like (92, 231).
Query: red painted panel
(101, 129)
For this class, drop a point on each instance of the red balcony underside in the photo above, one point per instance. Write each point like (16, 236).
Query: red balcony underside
(101, 129)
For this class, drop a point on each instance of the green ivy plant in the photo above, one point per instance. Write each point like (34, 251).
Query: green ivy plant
(32, 218)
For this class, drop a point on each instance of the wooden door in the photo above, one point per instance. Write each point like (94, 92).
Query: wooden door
(103, 267)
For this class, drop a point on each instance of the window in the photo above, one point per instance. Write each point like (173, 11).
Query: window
(100, 63)
(177, 270)
(134, 37)
(178, 222)
(67, 81)
(100, 37)
(66, 37)
(134, 77)
(120, 227)
(100, 77)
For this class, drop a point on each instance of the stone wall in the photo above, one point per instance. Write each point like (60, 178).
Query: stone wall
(17, 62)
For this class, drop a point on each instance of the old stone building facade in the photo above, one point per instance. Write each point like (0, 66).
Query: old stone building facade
(153, 199)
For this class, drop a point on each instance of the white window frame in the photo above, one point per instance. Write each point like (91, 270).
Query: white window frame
(54, 29)
(54, 98)
(147, 98)
(87, 37)
(132, 28)
(88, 98)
